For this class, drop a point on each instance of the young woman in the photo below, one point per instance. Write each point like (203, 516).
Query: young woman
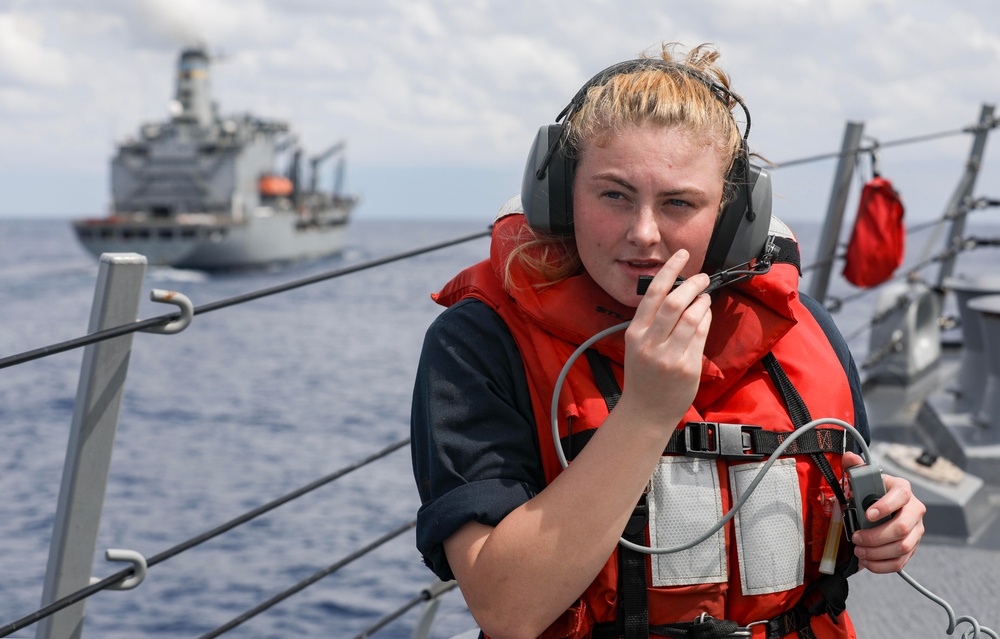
(648, 175)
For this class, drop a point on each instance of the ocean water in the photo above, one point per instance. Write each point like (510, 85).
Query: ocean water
(247, 404)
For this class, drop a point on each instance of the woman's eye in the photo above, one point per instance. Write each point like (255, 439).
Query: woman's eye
(614, 195)
(681, 203)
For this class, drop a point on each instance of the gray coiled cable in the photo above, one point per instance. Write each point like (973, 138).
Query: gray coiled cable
(953, 621)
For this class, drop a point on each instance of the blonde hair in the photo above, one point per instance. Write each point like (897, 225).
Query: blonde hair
(690, 91)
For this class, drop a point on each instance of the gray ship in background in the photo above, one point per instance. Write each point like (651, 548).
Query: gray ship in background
(201, 190)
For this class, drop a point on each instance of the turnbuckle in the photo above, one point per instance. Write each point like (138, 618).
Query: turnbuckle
(713, 440)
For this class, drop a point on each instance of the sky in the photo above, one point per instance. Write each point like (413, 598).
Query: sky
(439, 100)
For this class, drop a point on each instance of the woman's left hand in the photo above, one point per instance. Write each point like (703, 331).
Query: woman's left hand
(887, 547)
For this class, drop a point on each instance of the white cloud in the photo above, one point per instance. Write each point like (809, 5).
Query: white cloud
(468, 82)
(187, 22)
(24, 57)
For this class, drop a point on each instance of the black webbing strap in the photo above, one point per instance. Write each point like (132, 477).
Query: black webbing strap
(573, 443)
(633, 605)
(604, 375)
(702, 438)
(761, 442)
(828, 594)
(703, 628)
(800, 417)
(832, 589)
(633, 602)
(709, 439)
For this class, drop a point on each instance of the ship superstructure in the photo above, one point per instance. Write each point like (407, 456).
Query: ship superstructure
(201, 190)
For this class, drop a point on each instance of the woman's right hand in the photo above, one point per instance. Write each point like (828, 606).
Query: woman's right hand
(664, 345)
(515, 577)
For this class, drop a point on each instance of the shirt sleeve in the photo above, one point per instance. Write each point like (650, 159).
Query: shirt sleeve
(474, 440)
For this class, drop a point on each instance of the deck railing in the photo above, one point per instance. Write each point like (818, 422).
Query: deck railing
(108, 347)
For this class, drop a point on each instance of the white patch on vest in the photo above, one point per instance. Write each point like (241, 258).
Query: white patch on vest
(684, 502)
(779, 229)
(769, 532)
(511, 207)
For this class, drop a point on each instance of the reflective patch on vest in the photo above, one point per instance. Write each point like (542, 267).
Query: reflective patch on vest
(769, 531)
(684, 502)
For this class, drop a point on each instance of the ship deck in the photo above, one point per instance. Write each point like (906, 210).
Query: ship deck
(963, 573)
(961, 569)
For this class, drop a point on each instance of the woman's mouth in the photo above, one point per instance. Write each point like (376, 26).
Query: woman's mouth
(642, 267)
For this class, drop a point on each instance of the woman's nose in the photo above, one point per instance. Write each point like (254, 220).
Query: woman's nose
(644, 230)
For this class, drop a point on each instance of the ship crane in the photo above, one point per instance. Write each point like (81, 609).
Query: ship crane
(285, 144)
(316, 160)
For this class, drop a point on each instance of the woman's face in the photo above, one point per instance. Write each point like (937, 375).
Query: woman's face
(640, 197)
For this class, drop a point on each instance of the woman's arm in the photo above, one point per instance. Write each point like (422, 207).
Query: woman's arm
(520, 576)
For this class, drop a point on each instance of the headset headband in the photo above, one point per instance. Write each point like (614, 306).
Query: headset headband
(546, 189)
(723, 94)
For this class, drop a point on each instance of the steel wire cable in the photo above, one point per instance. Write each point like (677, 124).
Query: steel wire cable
(124, 329)
(869, 149)
(961, 212)
(936, 224)
(909, 274)
(425, 595)
(982, 202)
(912, 273)
(125, 573)
(239, 299)
(916, 228)
(118, 331)
(305, 583)
(819, 263)
(140, 325)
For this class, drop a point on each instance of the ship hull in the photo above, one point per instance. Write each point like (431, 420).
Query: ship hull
(207, 242)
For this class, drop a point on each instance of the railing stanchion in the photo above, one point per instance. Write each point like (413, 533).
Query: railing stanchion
(91, 438)
(964, 190)
(835, 212)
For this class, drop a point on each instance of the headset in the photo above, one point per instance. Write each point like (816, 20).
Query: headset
(741, 231)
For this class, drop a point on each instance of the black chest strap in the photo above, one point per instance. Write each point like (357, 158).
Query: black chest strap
(800, 417)
(632, 621)
(828, 594)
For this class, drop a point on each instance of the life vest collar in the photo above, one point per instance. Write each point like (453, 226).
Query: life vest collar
(748, 318)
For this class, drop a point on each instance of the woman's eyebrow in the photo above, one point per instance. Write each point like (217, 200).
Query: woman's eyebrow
(612, 177)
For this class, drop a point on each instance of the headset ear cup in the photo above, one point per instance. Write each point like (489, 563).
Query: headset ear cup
(741, 232)
(547, 199)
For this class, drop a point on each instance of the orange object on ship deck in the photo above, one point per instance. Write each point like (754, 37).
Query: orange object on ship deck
(275, 186)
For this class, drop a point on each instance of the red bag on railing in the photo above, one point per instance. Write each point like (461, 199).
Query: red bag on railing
(878, 238)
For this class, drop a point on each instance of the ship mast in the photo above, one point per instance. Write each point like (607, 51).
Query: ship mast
(194, 100)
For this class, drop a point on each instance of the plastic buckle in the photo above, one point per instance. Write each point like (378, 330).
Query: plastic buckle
(716, 439)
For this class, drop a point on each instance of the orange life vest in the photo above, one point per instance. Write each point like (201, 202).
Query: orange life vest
(750, 319)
